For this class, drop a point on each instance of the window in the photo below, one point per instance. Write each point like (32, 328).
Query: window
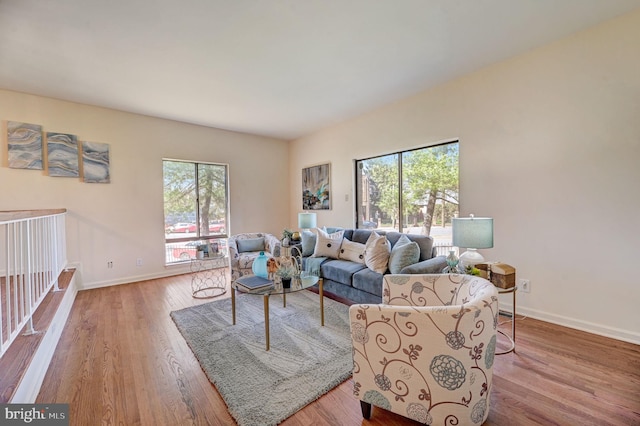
(412, 191)
(195, 207)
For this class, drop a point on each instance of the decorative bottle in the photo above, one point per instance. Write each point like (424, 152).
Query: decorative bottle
(452, 262)
(259, 266)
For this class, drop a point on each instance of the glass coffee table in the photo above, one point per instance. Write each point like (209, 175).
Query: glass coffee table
(301, 283)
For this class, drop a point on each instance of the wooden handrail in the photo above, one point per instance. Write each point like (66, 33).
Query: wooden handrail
(11, 215)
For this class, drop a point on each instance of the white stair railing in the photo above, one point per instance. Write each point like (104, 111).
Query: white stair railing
(32, 256)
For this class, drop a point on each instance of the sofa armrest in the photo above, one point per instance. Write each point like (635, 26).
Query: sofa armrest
(429, 266)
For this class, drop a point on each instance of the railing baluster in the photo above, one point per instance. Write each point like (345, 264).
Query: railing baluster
(55, 247)
(18, 280)
(35, 250)
(5, 230)
(29, 281)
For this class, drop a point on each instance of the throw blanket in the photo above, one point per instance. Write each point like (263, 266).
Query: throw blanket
(312, 265)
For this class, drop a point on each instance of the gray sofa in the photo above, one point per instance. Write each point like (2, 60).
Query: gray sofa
(356, 282)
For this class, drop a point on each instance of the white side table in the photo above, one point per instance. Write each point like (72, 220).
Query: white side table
(209, 276)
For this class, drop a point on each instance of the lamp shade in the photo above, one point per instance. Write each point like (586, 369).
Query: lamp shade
(473, 232)
(307, 220)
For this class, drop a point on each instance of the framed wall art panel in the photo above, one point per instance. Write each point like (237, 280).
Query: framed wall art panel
(95, 162)
(316, 187)
(24, 145)
(62, 155)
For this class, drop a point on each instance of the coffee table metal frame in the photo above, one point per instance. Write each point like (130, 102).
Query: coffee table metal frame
(297, 284)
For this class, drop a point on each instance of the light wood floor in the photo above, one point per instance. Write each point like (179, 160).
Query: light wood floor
(121, 361)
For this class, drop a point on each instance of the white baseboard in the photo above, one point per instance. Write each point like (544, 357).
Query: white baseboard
(630, 336)
(168, 272)
(29, 387)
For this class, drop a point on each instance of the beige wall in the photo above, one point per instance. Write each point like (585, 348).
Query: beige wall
(123, 220)
(550, 148)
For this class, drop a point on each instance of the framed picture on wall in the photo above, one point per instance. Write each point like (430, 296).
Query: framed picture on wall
(95, 162)
(24, 145)
(62, 155)
(316, 187)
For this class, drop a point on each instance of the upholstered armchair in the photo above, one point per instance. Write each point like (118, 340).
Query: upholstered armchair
(244, 248)
(427, 351)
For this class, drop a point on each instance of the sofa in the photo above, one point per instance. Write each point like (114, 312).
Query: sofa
(348, 274)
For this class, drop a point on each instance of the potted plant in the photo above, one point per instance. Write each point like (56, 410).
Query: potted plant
(286, 272)
(287, 234)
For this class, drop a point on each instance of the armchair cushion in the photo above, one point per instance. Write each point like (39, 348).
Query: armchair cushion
(251, 244)
(427, 352)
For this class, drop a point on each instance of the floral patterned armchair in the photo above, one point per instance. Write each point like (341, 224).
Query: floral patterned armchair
(244, 248)
(427, 351)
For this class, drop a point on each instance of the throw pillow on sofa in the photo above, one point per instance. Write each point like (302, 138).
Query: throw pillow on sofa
(328, 245)
(308, 241)
(376, 253)
(352, 251)
(404, 253)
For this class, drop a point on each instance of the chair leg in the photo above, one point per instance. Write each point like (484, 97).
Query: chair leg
(366, 409)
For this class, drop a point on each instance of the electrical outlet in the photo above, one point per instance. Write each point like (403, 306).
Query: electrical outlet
(524, 285)
(110, 264)
(139, 261)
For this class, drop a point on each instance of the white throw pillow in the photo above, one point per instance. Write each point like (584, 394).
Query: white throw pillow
(352, 251)
(376, 253)
(328, 245)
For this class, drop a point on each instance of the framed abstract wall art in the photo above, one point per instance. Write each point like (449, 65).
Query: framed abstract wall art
(24, 145)
(95, 162)
(62, 155)
(316, 187)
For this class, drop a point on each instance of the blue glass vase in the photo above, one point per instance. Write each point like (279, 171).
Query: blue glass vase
(259, 266)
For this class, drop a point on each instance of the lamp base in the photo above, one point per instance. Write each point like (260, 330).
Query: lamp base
(471, 257)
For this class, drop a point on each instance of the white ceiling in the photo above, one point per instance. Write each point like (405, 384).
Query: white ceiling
(280, 68)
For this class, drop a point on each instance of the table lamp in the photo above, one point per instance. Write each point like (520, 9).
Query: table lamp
(472, 233)
(307, 220)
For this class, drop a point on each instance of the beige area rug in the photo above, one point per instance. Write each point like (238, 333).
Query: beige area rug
(305, 360)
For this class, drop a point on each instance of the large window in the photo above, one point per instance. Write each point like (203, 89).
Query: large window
(411, 191)
(195, 207)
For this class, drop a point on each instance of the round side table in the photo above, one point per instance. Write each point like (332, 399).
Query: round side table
(209, 277)
(512, 338)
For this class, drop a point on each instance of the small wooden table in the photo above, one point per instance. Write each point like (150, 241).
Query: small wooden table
(301, 283)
